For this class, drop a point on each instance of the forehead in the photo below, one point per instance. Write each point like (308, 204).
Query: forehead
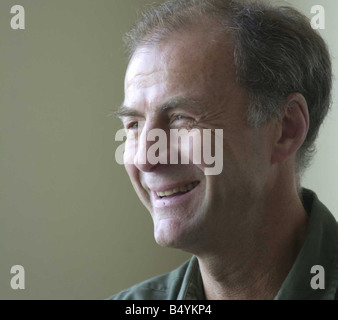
(196, 62)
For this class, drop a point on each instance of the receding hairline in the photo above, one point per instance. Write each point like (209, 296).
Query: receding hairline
(211, 30)
(211, 23)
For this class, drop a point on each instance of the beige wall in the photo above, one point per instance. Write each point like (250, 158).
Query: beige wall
(68, 213)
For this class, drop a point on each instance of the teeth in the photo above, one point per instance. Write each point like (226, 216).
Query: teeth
(170, 192)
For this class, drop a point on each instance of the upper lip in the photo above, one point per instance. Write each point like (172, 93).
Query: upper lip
(166, 187)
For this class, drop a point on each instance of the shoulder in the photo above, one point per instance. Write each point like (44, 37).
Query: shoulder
(163, 287)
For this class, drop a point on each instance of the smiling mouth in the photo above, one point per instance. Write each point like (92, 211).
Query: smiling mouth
(177, 191)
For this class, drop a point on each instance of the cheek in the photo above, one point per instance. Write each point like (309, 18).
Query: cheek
(129, 152)
(205, 150)
(134, 177)
(132, 173)
(186, 147)
(128, 159)
(132, 170)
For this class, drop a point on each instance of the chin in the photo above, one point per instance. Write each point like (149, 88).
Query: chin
(172, 235)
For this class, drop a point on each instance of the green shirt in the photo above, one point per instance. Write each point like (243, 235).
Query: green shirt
(320, 248)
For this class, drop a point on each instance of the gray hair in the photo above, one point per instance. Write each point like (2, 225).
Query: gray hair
(276, 53)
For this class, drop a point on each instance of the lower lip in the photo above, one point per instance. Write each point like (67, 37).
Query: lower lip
(174, 200)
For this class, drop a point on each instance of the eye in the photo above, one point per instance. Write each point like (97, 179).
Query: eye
(180, 117)
(181, 120)
(132, 125)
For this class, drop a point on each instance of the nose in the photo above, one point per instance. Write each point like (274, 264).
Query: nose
(151, 147)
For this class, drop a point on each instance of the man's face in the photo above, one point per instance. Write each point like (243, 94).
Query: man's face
(199, 68)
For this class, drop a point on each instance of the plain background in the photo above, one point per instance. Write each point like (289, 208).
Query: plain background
(68, 213)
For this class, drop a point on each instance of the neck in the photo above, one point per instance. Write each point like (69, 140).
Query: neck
(255, 266)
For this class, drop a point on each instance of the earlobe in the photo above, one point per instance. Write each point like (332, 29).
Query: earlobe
(293, 128)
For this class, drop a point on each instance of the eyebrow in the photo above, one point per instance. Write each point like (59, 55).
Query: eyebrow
(173, 103)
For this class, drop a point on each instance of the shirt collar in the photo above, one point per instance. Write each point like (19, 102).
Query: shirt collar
(192, 285)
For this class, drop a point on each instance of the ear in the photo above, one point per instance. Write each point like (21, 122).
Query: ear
(293, 127)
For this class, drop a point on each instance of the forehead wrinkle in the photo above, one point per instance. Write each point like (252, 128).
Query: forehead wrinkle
(143, 79)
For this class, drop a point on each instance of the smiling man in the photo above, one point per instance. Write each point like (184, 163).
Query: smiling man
(262, 76)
